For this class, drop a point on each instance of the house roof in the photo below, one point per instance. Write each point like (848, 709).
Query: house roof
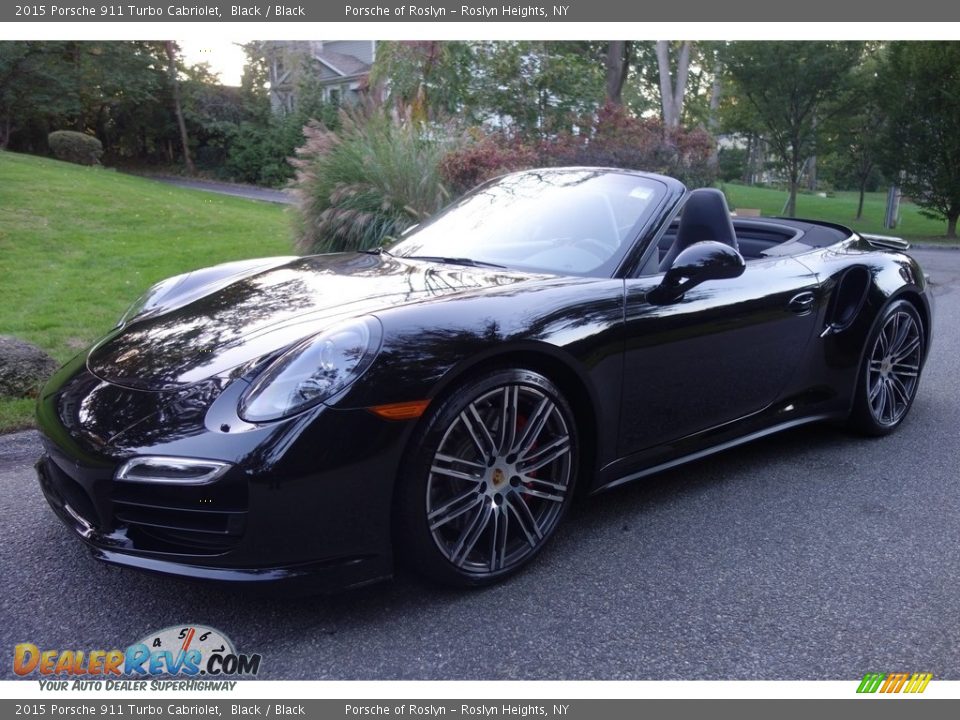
(345, 65)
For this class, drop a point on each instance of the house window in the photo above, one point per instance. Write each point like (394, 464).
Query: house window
(334, 96)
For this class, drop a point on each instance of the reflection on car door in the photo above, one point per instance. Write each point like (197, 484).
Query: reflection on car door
(724, 351)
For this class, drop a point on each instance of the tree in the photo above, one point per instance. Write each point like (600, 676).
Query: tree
(177, 106)
(427, 78)
(537, 87)
(922, 101)
(854, 138)
(786, 88)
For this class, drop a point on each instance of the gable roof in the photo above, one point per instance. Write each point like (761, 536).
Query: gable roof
(345, 65)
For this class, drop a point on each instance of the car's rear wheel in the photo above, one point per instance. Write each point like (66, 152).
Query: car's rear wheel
(491, 474)
(891, 368)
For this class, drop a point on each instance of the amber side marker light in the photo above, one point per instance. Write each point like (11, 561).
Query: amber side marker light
(401, 411)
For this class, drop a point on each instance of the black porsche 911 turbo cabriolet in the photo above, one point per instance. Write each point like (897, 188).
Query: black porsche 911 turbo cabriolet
(440, 399)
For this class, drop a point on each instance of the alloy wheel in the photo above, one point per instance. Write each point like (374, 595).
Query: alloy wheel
(893, 370)
(499, 479)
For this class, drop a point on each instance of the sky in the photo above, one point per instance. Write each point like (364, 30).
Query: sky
(225, 57)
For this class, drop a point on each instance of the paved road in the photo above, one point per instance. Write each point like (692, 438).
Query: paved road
(250, 192)
(811, 555)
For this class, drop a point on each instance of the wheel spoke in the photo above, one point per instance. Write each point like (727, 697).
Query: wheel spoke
(905, 350)
(478, 431)
(881, 403)
(455, 508)
(532, 492)
(876, 365)
(525, 520)
(498, 538)
(534, 426)
(508, 419)
(545, 455)
(440, 457)
(450, 472)
(899, 392)
(905, 370)
(543, 484)
(469, 537)
(883, 340)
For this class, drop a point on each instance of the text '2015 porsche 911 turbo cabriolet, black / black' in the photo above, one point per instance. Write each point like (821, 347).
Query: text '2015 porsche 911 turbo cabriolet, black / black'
(438, 401)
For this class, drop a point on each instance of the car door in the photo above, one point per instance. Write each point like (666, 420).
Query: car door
(723, 351)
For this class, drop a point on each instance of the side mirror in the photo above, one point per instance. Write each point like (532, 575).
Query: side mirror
(702, 261)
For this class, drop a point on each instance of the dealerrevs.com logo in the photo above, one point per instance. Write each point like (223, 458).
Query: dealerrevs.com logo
(179, 650)
(894, 683)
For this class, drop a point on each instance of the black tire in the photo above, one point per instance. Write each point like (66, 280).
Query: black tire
(889, 375)
(474, 504)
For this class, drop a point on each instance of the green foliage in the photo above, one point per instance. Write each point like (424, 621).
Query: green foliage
(536, 87)
(732, 163)
(783, 90)
(75, 147)
(428, 79)
(366, 183)
(922, 103)
(78, 245)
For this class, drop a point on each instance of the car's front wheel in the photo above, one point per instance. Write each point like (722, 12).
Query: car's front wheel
(491, 474)
(891, 368)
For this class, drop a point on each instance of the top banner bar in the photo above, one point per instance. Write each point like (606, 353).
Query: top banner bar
(420, 11)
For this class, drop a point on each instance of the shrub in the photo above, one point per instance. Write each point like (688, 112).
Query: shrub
(613, 138)
(75, 147)
(483, 158)
(618, 139)
(363, 185)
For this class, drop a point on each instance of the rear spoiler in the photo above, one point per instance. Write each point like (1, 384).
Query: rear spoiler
(886, 242)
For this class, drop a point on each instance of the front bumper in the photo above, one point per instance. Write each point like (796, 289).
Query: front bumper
(306, 503)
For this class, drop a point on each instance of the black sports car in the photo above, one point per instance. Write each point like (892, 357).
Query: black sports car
(441, 399)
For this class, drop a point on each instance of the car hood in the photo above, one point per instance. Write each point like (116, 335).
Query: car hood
(260, 313)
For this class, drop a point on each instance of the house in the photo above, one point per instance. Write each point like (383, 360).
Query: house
(339, 67)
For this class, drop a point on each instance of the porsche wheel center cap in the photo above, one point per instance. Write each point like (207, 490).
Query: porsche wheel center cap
(499, 477)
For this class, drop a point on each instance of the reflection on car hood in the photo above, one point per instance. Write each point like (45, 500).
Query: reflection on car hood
(261, 313)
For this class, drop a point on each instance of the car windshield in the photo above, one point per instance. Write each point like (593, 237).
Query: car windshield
(578, 222)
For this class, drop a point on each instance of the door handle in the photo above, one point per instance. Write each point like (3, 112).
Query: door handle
(802, 303)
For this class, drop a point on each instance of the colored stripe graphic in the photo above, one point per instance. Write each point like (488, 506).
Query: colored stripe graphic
(918, 683)
(894, 682)
(870, 683)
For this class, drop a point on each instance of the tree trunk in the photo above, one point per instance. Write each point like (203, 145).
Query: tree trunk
(716, 91)
(680, 89)
(790, 209)
(952, 225)
(812, 173)
(672, 91)
(5, 137)
(666, 86)
(178, 109)
(863, 190)
(617, 63)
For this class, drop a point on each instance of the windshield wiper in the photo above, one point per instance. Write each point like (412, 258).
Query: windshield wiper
(470, 262)
(376, 251)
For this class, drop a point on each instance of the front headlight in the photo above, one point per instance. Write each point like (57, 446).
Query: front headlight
(312, 371)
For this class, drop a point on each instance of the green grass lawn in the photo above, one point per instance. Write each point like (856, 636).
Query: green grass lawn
(78, 245)
(841, 207)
